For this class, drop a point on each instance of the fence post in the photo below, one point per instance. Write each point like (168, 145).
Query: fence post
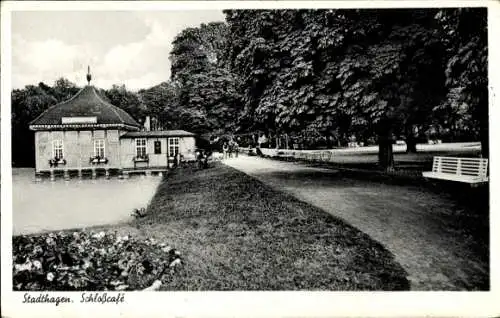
(459, 169)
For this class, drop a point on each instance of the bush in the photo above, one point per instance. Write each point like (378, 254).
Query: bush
(80, 260)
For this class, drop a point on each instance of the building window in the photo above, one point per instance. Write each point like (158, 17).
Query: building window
(157, 147)
(140, 147)
(173, 146)
(99, 148)
(57, 149)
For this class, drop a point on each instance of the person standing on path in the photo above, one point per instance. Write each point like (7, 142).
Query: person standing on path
(230, 148)
(225, 149)
(236, 149)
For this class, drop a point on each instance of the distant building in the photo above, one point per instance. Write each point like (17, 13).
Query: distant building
(87, 134)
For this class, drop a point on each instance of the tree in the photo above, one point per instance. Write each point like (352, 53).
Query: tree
(338, 71)
(119, 96)
(27, 104)
(205, 88)
(161, 104)
(63, 89)
(464, 31)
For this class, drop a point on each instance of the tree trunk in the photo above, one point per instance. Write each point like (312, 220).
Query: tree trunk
(385, 154)
(484, 131)
(411, 143)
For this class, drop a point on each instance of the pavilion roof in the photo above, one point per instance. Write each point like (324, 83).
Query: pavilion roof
(85, 109)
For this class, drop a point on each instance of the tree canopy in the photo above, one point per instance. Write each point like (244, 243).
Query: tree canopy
(206, 89)
(362, 72)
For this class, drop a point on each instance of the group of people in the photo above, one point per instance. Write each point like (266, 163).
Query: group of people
(230, 148)
(202, 157)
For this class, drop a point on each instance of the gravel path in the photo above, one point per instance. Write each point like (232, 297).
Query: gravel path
(418, 226)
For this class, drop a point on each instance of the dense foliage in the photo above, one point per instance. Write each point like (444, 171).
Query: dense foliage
(90, 261)
(369, 73)
(27, 104)
(207, 91)
(466, 107)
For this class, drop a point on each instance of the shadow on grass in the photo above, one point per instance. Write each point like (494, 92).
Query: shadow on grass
(236, 233)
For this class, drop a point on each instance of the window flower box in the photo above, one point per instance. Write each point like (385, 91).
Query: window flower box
(54, 162)
(97, 160)
(144, 158)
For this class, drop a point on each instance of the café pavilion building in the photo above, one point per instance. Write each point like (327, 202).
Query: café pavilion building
(88, 135)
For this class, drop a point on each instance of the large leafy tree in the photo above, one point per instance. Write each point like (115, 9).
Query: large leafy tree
(205, 88)
(127, 100)
(464, 32)
(338, 72)
(161, 104)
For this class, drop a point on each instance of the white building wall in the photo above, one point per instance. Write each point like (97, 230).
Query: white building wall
(120, 152)
(78, 147)
(127, 152)
(187, 146)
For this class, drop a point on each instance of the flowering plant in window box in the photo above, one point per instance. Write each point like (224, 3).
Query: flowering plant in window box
(54, 162)
(97, 160)
(141, 158)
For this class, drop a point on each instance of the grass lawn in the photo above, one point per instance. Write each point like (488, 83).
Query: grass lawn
(236, 233)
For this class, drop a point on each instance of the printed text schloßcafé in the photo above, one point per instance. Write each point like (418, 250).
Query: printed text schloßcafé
(102, 298)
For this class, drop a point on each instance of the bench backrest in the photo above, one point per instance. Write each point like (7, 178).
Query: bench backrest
(461, 166)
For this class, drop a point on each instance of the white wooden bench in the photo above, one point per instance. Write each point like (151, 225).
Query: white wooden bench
(468, 170)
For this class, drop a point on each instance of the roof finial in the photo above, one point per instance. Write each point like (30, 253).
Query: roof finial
(89, 77)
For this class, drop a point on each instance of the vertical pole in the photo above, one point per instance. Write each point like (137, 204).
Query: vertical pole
(459, 168)
(168, 154)
(78, 144)
(52, 175)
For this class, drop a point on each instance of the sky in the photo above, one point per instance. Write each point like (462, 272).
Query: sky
(121, 47)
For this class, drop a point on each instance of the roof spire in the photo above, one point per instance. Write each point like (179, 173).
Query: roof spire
(89, 77)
